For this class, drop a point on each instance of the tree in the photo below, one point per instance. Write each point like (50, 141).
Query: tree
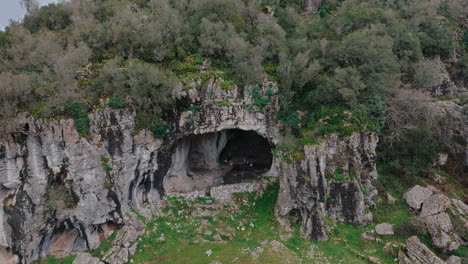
(29, 5)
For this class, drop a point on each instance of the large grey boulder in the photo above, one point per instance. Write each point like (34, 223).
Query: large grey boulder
(86, 258)
(384, 229)
(435, 204)
(416, 252)
(416, 195)
(443, 235)
(116, 255)
(454, 260)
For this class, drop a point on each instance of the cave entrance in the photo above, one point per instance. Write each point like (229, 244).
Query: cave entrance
(213, 159)
(247, 155)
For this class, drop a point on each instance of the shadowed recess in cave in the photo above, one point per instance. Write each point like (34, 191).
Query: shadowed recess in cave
(212, 159)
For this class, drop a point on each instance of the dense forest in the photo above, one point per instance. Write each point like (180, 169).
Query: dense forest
(357, 64)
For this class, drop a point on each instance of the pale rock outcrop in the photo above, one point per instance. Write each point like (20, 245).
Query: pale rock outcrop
(416, 252)
(384, 229)
(415, 196)
(451, 129)
(443, 235)
(308, 188)
(47, 161)
(86, 258)
(435, 204)
(454, 260)
(6, 257)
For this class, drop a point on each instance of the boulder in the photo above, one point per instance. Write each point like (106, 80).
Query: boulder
(116, 255)
(63, 244)
(443, 235)
(454, 260)
(86, 258)
(384, 229)
(390, 199)
(416, 252)
(6, 257)
(415, 196)
(369, 236)
(435, 204)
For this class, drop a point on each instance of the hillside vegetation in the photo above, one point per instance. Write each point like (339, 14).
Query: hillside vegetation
(354, 65)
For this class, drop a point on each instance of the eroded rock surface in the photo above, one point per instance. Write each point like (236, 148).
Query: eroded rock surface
(309, 189)
(62, 193)
(415, 196)
(416, 252)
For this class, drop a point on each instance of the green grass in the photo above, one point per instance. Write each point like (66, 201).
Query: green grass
(52, 260)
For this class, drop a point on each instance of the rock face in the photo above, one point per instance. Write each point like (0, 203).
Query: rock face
(57, 194)
(62, 193)
(451, 129)
(329, 181)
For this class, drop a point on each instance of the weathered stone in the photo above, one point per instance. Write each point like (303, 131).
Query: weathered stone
(116, 255)
(435, 204)
(416, 195)
(308, 188)
(438, 178)
(224, 193)
(6, 257)
(416, 252)
(454, 260)
(125, 236)
(442, 233)
(86, 258)
(63, 245)
(390, 199)
(391, 249)
(442, 159)
(369, 236)
(460, 207)
(384, 229)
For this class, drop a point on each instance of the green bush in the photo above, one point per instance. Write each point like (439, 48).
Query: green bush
(115, 102)
(79, 112)
(160, 129)
(412, 155)
(435, 38)
(53, 17)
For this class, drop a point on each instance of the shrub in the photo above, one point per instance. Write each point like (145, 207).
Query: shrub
(435, 39)
(79, 112)
(410, 227)
(160, 129)
(412, 155)
(115, 102)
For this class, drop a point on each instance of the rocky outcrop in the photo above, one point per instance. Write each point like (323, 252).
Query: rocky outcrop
(59, 190)
(384, 229)
(416, 252)
(86, 258)
(415, 196)
(62, 193)
(439, 215)
(450, 125)
(331, 180)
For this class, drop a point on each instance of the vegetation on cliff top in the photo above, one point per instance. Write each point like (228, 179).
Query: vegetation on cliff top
(353, 53)
(357, 65)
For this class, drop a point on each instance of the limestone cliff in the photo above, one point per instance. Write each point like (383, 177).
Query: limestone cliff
(63, 193)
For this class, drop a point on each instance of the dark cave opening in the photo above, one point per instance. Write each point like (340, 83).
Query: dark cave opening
(247, 154)
(212, 159)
